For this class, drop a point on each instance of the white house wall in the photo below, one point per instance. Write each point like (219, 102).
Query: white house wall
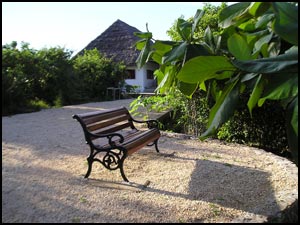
(141, 78)
(152, 82)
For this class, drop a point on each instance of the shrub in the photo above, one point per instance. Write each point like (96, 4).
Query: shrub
(187, 116)
(49, 75)
(16, 90)
(28, 74)
(96, 73)
(265, 130)
(36, 105)
(54, 76)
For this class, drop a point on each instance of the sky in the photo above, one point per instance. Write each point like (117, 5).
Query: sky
(74, 25)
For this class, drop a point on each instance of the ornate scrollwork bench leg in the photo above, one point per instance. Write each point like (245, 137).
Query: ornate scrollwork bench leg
(112, 160)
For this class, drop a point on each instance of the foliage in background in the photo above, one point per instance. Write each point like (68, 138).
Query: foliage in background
(15, 65)
(188, 116)
(174, 102)
(55, 78)
(209, 19)
(96, 73)
(255, 55)
(34, 79)
(259, 130)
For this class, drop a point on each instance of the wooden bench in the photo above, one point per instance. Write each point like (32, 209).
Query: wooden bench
(112, 136)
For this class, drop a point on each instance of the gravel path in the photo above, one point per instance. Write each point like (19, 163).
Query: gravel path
(44, 161)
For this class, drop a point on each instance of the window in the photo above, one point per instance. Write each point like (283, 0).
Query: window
(150, 75)
(130, 74)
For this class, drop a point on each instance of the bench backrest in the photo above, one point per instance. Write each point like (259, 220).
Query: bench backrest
(105, 121)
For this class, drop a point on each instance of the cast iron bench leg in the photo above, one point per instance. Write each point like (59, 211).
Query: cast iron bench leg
(122, 172)
(90, 162)
(156, 147)
(155, 143)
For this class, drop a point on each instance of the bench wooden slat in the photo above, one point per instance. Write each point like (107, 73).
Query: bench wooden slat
(139, 141)
(113, 129)
(108, 122)
(93, 117)
(127, 134)
(100, 117)
(95, 113)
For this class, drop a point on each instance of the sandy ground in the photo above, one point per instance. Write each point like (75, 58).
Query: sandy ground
(44, 161)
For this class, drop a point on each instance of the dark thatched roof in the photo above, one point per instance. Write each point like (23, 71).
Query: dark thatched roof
(117, 42)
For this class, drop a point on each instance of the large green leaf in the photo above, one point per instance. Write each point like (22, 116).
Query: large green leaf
(263, 40)
(162, 46)
(166, 77)
(223, 109)
(194, 50)
(156, 57)
(256, 93)
(294, 118)
(184, 28)
(280, 87)
(238, 47)
(159, 75)
(269, 65)
(292, 127)
(176, 53)
(187, 89)
(160, 49)
(264, 20)
(248, 76)
(208, 37)
(254, 36)
(199, 14)
(143, 56)
(258, 8)
(202, 68)
(228, 14)
(140, 44)
(286, 21)
(248, 26)
(146, 35)
(202, 86)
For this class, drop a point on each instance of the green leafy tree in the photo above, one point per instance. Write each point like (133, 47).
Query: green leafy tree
(16, 64)
(96, 72)
(31, 76)
(210, 18)
(256, 55)
(54, 76)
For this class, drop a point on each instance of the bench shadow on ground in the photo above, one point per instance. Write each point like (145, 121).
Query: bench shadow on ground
(231, 186)
(44, 205)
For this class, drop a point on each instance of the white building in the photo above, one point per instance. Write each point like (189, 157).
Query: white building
(118, 43)
(143, 78)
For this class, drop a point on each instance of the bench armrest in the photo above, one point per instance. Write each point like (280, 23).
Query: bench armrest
(150, 123)
(109, 136)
